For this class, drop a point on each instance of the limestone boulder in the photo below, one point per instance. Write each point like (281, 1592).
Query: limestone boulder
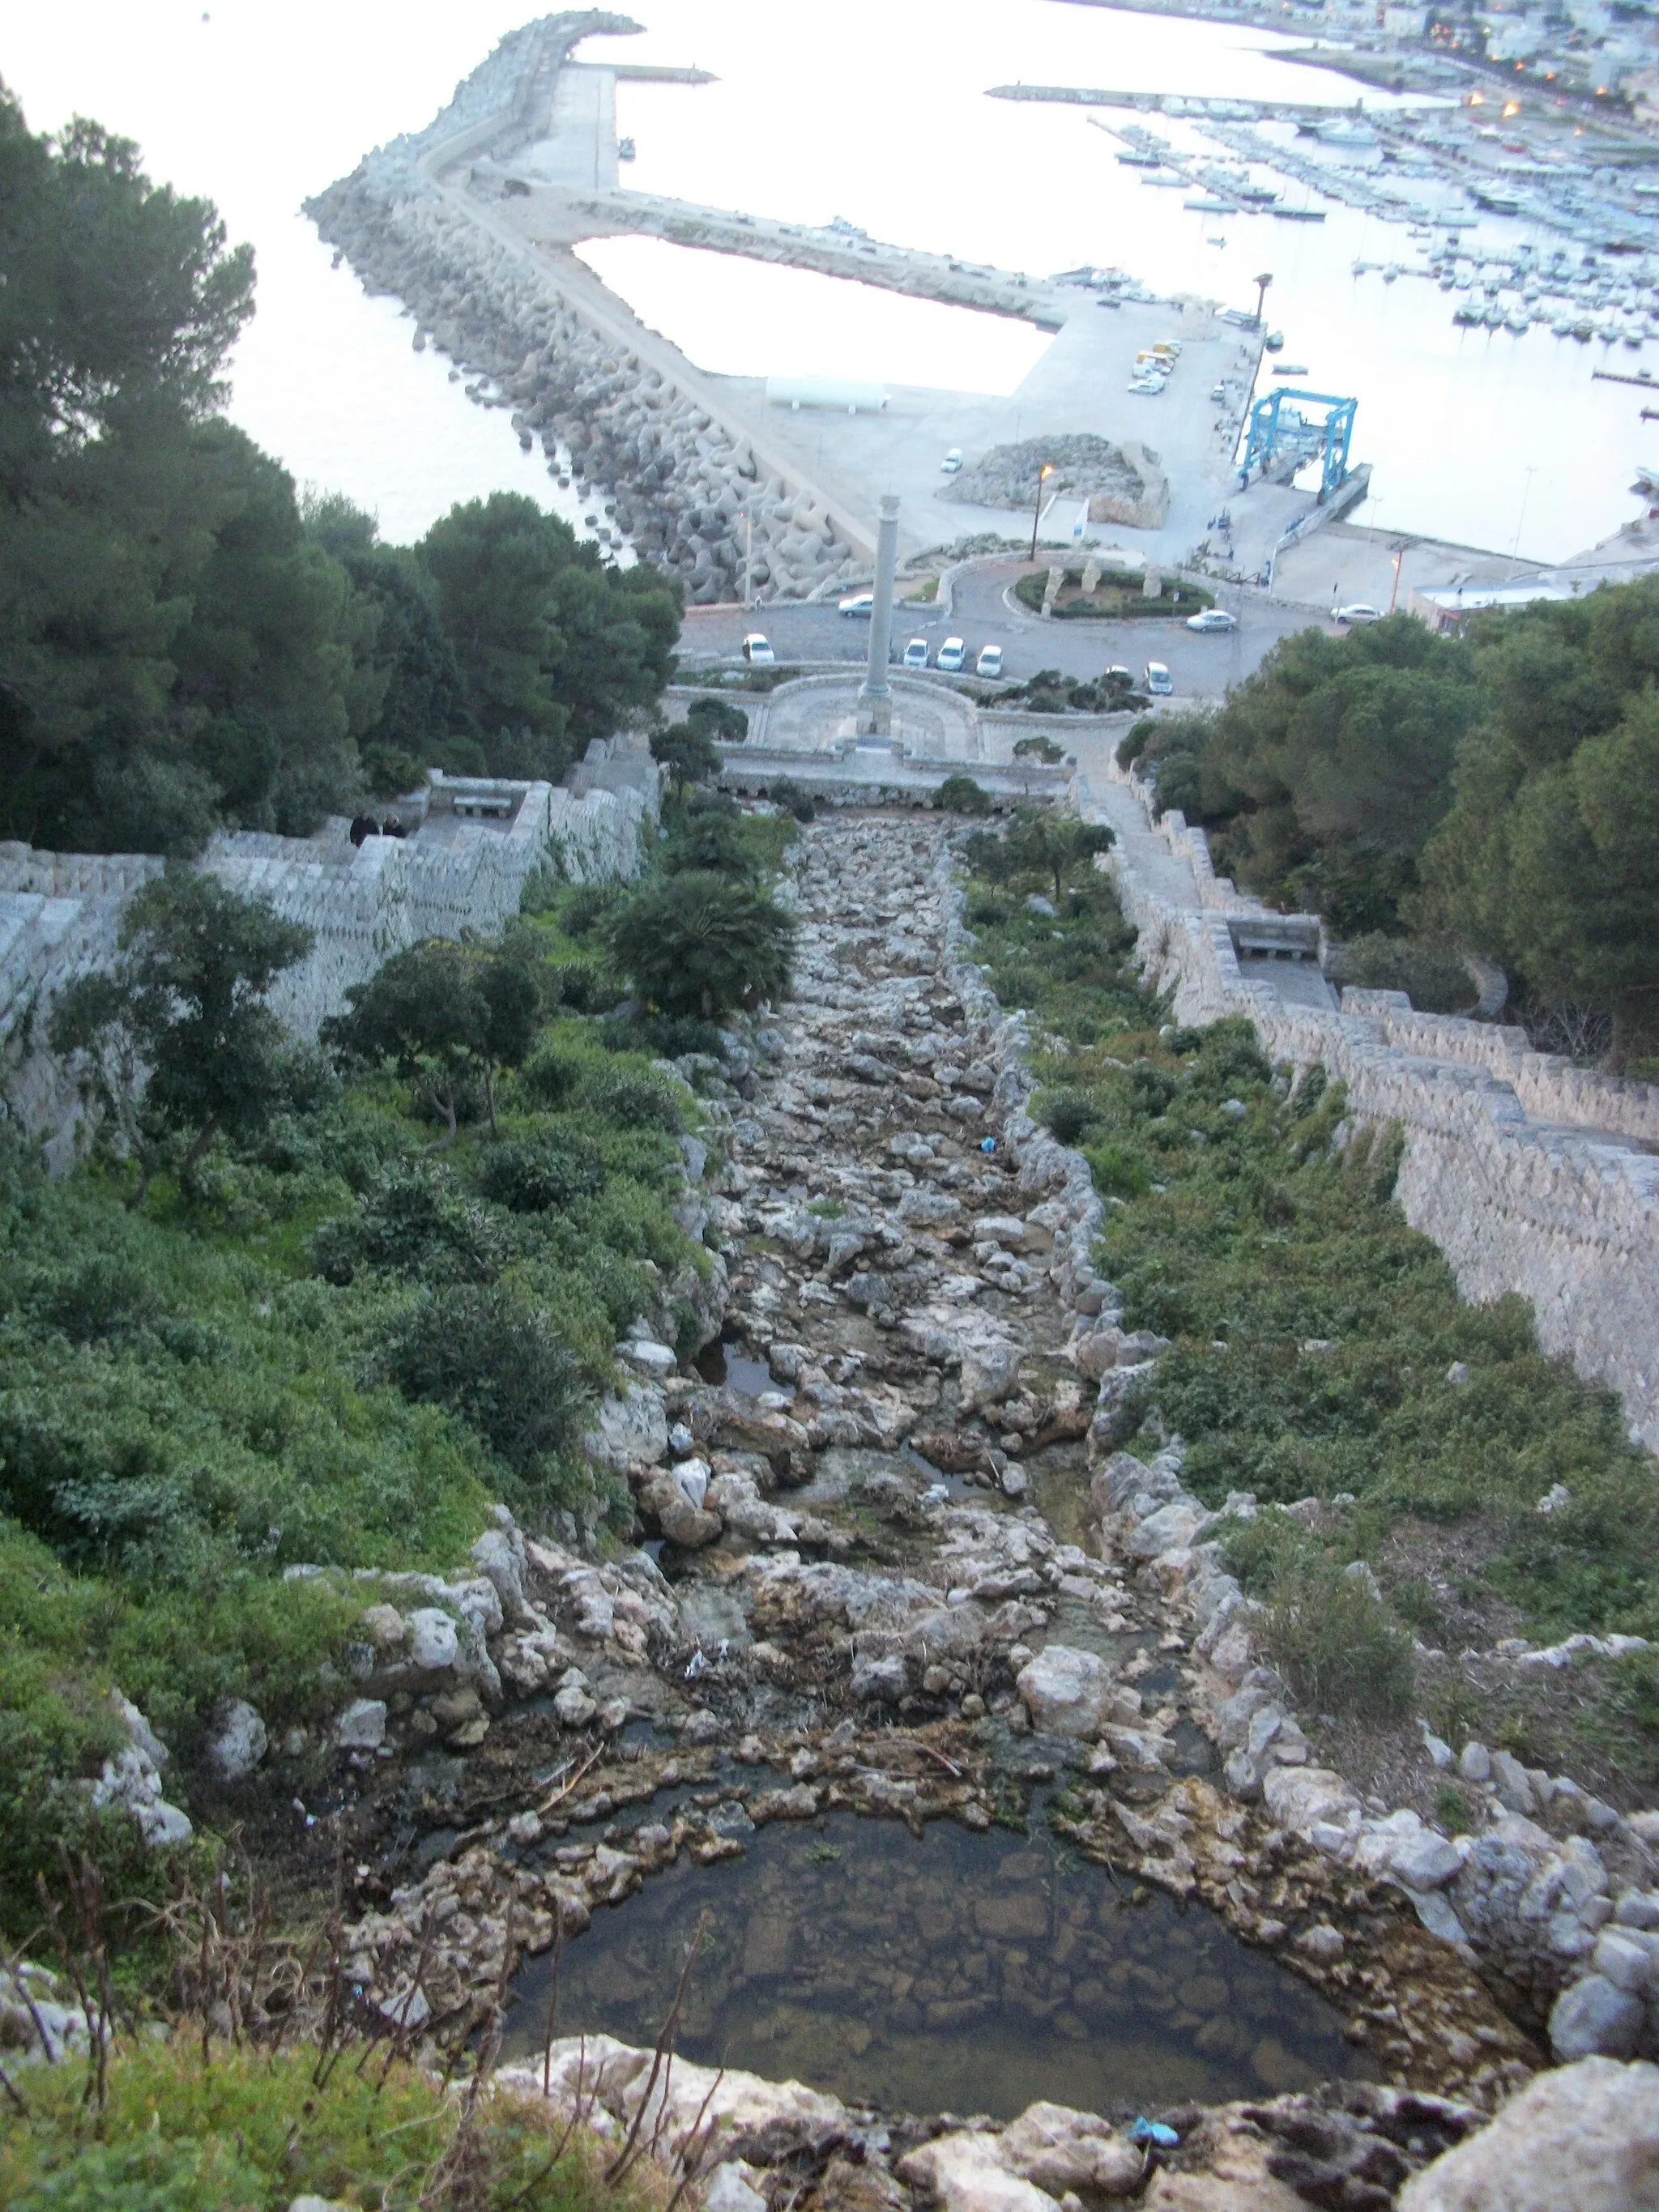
(1060, 2149)
(1596, 2017)
(1586, 2136)
(688, 1525)
(990, 1372)
(1315, 1803)
(361, 1726)
(632, 1429)
(962, 2172)
(1067, 1692)
(238, 1741)
(715, 2105)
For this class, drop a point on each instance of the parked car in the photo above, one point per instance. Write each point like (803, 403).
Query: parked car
(1151, 386)
(757, 651)
(861, 603)
(951, 462)
(915, 654)
(989, 662)
(1212, 618)
(1157, 679)
(951, 654)
(1359, 612)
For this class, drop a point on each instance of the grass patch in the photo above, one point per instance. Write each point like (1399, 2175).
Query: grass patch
(194, 2126)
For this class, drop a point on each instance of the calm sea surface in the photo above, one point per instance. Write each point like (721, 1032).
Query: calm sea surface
(872, 111)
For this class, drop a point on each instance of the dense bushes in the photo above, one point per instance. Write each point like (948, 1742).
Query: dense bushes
(1547, 859)
(337, 1347)
(1496, 794)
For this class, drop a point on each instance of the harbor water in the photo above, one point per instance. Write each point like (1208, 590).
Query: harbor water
(875, 114)
(954, 1971)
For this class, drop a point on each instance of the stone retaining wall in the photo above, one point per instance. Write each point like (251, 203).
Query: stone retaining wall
(60, 913)
(1518, 1165)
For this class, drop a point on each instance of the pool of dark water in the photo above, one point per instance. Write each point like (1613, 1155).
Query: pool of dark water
(960, 1972)
(722, 1363)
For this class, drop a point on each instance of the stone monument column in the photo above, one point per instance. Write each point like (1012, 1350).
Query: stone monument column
(875, 694)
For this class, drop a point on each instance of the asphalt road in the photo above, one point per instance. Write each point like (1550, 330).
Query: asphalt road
(1203, 665)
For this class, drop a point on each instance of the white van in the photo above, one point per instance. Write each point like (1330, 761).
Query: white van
(951, 654)
(990, 660)
(757, 651)
(1158, 680)
(951, 462)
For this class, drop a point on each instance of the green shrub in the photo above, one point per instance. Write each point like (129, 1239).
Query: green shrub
(1337, 1645)
(530, 1175)
(488, 1355)
(390, 771)
(702, 944)
(715, 719)
(638, 1099)
(665, 1037)
(1066, 1114)
(715, 842)
(688, 750)
(586, 906)
(795, 798)
(960, 794)
(1429, 970)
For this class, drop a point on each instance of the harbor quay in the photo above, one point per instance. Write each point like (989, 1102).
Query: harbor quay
(745, 494)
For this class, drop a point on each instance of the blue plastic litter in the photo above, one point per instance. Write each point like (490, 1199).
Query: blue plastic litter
(1154, 2132)
(988, 1144)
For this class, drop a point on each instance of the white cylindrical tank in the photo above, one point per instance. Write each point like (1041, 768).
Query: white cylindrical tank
(838, 392)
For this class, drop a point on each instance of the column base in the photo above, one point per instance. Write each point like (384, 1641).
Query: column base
(875, 717)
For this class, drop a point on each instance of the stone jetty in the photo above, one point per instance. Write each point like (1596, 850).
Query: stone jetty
(426, 218)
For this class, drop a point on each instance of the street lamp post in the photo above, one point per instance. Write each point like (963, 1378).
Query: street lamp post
(1520, 520)
(1036, 512)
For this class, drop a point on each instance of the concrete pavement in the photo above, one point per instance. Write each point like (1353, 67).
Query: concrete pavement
(1204, 667)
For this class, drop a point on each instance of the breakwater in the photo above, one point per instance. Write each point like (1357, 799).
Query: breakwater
(689, 490)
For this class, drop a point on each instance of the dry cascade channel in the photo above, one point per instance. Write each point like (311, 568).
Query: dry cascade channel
(886, 1701)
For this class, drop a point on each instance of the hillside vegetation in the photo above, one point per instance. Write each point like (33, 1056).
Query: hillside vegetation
(1320, 1354)
(337, 1333)
(1497, 793)
(183, 644)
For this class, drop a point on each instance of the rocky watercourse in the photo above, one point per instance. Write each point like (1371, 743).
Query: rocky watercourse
(909, 1571)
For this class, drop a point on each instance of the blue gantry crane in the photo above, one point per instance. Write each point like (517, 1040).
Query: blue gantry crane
(1282, 434)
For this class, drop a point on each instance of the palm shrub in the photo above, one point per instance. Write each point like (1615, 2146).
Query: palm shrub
(702, 943)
